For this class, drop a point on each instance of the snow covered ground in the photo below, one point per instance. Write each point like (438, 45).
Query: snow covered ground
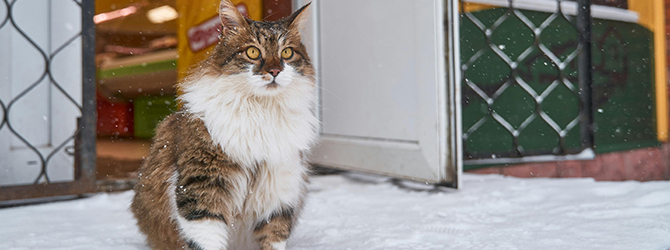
(353, 211)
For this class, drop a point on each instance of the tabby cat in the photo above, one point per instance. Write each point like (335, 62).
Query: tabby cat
(228, 171)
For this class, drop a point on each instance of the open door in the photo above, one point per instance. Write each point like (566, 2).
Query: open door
(387, 96)
(47, 99)
(40, 102)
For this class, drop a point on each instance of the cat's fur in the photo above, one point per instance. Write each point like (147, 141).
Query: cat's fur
(228, 171)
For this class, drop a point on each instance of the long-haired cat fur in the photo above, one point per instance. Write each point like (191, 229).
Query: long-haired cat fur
(228, 171)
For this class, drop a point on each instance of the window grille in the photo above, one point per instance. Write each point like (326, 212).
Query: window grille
(81, 143)
(526, 82)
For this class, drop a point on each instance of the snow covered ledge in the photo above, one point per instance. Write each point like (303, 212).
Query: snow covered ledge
(570, 8)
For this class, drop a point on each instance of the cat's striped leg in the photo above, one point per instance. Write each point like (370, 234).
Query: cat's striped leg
(202, 212)
(273, 232)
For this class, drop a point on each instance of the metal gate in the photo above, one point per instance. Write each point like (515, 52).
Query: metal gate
(526, 80)
(79, 144)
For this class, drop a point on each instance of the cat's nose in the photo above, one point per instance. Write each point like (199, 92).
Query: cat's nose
(274, 72)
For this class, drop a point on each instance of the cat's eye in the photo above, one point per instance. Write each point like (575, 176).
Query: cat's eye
(287, 53)
(253, 53)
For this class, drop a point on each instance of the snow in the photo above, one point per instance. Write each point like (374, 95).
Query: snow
(354, 211)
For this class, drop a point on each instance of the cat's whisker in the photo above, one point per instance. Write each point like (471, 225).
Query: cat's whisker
(268, 16)
(331, 92)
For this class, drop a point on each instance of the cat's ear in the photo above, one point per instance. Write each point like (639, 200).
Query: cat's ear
(298, 19)
(231, 19)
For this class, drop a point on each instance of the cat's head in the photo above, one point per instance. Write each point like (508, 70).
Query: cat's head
(268, 56)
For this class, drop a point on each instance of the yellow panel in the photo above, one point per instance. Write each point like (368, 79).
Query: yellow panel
(652, 16)
(196, 14)
(661, 70)
(473, 7)
(645, 8)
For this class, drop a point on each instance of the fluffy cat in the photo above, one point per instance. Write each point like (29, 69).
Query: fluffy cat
(228, 171)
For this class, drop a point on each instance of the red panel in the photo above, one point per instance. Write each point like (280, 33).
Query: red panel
(115, 118)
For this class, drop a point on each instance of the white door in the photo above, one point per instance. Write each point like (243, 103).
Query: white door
(384, 95)
(36, 108)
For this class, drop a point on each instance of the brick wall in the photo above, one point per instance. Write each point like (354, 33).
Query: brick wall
(645, 164)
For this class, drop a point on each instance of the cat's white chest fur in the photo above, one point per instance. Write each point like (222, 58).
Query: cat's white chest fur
(276, 186)
(254, 129)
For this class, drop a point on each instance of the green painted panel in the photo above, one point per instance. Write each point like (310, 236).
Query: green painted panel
(138, 69)
(150, 111)
(623, 79)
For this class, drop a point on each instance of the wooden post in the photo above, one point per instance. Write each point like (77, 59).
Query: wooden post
(661, 70)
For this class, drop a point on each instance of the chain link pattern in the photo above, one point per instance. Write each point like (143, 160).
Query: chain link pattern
(514, 79)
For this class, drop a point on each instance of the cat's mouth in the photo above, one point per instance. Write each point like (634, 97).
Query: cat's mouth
(272, 85)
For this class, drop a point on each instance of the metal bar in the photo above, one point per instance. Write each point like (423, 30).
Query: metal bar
(6, 18)
(585, 154)
(585, 71)
(115, 185)
(87, 127)
(452, 24)
(43, 190)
